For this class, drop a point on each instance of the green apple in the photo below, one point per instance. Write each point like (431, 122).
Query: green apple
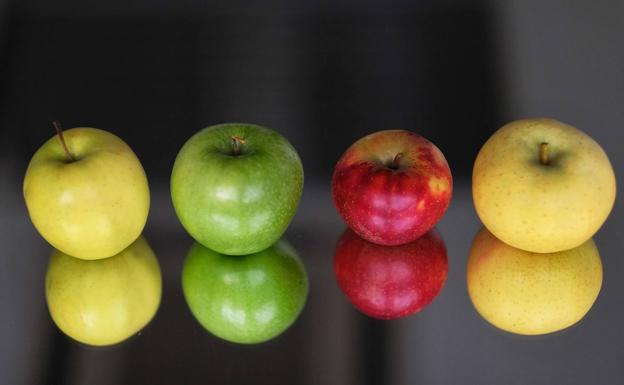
(87, 194)
(236, 187)
(530, 293)
(542, 185)
(106, 301)
(245, 299)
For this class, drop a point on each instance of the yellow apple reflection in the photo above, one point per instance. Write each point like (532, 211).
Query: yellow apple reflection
(103, 302)
(529, 293)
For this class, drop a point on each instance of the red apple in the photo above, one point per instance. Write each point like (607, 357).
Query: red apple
(390, 282)
(392, 186)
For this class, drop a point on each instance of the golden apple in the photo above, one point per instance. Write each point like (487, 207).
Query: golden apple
(106, 301)
(529, 293)
(542, 185)
(89, 200)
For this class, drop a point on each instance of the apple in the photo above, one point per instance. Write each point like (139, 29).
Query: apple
(389, 282)
(106, 301)
(542, 186)
(245, 299)
(392, 186)
(86, 193)
(235, 187)
(532, 293)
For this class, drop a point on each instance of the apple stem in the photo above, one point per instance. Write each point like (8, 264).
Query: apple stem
(237, 142)
(59, 132)
(395, 162)
(543, 154)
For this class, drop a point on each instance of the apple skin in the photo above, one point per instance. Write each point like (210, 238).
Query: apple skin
(386, 203)
(389, 282)
(106, 301)
(532, 293)
(245, 299)
(236, 204)
(537, 207)
(93, 207)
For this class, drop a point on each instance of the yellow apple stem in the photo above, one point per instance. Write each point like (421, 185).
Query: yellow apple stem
(59, 132)
(543, 154)
(237, 142)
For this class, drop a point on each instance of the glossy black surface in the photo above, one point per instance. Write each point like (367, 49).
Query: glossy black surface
(323, 75)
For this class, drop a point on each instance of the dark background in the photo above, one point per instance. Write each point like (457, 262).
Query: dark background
(323, 74)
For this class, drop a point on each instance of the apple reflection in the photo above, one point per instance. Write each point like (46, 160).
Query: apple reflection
(530, 293)
(247, 298)
(389, 282)
(105, 301)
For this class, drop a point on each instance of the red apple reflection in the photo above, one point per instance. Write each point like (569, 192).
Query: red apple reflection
(389, 282)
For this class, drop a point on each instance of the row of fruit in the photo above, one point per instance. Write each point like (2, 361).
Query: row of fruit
(540, 186)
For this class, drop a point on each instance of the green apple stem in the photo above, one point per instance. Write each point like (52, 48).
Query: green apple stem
(59, 132)
(543, 154)
(237, 142)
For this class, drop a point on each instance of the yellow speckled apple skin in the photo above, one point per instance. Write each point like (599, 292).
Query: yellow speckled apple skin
(529, 293)
(91, 208)
(106, 301)
(536, 207)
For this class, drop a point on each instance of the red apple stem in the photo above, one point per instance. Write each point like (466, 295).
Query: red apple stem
(59, 132)
(543, 154)
(237, 142)
(395, 162)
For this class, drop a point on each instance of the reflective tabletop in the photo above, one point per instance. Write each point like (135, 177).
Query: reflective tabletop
(447, 342)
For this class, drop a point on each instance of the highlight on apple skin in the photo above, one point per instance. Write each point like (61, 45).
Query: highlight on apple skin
(245, 299)
(532, 293)
(392, 186)
(106, 301)
(235, 187)
(389, 282)
(542, 185)
(87, 193)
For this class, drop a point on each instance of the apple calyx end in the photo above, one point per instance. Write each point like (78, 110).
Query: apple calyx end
(59, 132)
(236, 143)
(543, 154)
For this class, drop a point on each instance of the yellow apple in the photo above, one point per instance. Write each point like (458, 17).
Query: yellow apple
(529, 293)
(106, 301)
(90, 201)
(542, 185)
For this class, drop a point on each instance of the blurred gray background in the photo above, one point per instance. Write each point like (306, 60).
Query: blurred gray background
(323, 74)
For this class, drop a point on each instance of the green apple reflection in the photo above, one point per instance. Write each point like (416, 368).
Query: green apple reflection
(105, 301)
(245, 299)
